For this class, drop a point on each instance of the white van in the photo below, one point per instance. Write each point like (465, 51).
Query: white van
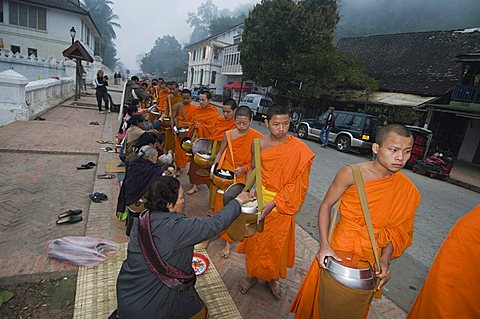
(258, 103)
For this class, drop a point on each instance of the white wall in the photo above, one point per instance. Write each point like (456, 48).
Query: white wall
(22, 100)
(470, 141)
(49, 43)
(208, 64)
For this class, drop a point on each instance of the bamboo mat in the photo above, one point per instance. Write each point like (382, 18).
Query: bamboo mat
(111, 167)
(96, 290)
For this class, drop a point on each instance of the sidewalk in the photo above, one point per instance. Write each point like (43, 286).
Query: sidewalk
(39, 180)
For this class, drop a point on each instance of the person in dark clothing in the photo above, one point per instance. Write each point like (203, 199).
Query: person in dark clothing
(141, 172)
(149, 292)
(101, 83)
(133, 90)
(327, 126)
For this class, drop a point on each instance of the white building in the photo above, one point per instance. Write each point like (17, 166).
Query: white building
(42, 27)
(213, 62)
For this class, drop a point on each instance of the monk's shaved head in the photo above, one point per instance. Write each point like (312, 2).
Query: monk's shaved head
(231, 103)
(243, 111)
(277, 110)
(398, 129)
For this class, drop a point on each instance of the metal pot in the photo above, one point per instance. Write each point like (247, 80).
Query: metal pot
(357, 278)
(166, 122)
(250, 208)
(186, 144)
(203, 160)
(182, 132)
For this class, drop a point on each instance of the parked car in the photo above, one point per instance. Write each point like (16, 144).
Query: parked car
(350, 130)
(196, 92)
(258, 103)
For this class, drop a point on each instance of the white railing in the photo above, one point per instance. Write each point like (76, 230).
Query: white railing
(45, 94)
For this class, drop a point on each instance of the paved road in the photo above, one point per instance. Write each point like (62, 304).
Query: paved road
(442, 205)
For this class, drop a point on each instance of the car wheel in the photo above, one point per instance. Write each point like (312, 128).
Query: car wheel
(343, 143)
(302, 131)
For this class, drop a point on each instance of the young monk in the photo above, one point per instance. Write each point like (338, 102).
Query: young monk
(173, 99)
(451, 287)
(162, 93)
(238, 159)
(224, 123)
(285, 168)
(182, 115)
(205, 118)
(392, 199)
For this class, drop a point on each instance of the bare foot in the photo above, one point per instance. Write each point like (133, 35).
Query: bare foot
(276, 290)
(225, 252)
(210, 212)
(247, 284)
(192, 190)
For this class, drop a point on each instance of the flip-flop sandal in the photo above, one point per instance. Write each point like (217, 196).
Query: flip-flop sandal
(98, 197)
(94, 123)
(69, 219)
(104, 142)
(70, 213)
(108, 149)
(84, 167)
(105, 176)
(92, 164)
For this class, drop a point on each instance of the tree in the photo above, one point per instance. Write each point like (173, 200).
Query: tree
(287, 40)
(105, 20)
(200, 21)
(224, 23)
(166, 59)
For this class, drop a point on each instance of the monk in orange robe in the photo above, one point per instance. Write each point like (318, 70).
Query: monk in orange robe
(173, 99)
(236, 154)
(162, 94)
(182, 115)
(451, 286)
(286, 163)
(392, 199)
(224, 123)
(205, 118)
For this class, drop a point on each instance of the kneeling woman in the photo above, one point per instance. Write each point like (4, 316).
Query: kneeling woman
(157, 279)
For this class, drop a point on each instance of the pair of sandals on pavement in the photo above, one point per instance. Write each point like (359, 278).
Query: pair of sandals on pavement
(89, 165)
(98, 197)
(70, 217)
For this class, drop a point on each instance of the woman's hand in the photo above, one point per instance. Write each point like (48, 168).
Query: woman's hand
(244, 197)
(324, 252)
(240, 170)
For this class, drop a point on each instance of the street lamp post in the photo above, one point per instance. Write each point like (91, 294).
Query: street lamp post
(73, 32)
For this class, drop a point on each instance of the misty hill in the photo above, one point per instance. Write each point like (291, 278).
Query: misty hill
(371, 17)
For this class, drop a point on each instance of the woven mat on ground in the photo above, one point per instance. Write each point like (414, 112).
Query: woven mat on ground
(111, 167)
(96, 290)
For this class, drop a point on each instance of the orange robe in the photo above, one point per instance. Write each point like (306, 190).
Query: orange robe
(242, 149)
(393, 201)
(181, 158)
(207, 118)
(162, 99)
(285, 170)
(221, 126)
(451, 287)
(169, 143)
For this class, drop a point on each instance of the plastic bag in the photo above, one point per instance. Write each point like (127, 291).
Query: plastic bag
(81, 250)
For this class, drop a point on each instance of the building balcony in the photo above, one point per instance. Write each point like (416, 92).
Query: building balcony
(466, 94)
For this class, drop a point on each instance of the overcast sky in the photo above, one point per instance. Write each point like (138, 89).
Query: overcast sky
(144, 21)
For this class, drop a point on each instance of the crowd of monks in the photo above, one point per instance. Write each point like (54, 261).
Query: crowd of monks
(285, 167)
